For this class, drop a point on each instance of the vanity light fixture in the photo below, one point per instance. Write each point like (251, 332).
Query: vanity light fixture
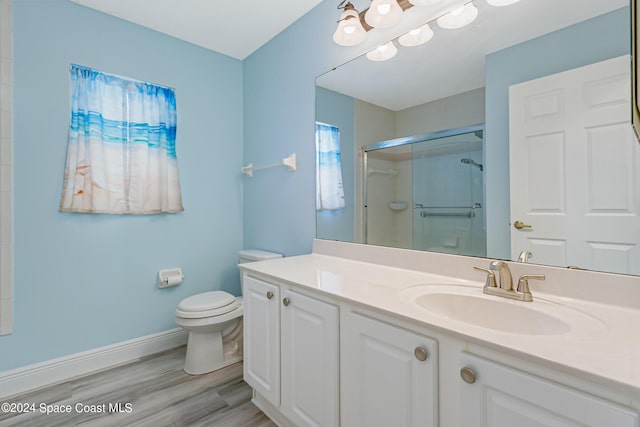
(383, 52)
(417, 36)
(459, 17)
(350, 31)
(383, 13)
(502, 2)
(353, 26)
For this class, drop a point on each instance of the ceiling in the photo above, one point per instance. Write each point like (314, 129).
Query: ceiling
(211, 24)
(452, 62)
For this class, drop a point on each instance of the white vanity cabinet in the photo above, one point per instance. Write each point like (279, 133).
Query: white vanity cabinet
(498, 396)
(261, 337)
(291, 353)
(388, 374)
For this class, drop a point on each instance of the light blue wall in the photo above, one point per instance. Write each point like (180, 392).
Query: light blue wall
(85, 281)
(338, 110)
(598, 39)
(279, 116)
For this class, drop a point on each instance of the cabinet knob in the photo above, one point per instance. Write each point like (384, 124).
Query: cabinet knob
(286, 302)
(269, 295)
(421, 354)
(468, 376)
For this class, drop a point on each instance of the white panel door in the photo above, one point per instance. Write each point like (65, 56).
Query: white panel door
(310, 390)
(261, 335)
(505, 397)
(575, 169)
(384, 382)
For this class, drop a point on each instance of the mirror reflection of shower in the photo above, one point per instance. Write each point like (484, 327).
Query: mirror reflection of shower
(427, 192)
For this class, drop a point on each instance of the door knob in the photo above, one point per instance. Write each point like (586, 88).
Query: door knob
(269, 295)
(286, 302)
(519, 225)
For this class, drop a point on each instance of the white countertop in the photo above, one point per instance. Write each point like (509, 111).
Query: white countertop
(606, 346)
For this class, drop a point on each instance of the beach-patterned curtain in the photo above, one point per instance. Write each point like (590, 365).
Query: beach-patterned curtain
(329, 192)
(121, 156)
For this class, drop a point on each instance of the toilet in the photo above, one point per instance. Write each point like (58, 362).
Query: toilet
(214, 322)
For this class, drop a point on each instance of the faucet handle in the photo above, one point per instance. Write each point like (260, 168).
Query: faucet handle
(524, 256)
(491, 277)
(523, 284)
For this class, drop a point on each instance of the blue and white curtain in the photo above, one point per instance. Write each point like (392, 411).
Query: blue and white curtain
(329, 191)
(121, 156)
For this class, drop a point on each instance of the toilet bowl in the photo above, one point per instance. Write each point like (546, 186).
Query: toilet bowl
(214, 322)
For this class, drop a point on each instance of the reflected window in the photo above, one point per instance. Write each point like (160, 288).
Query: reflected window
(329, 191)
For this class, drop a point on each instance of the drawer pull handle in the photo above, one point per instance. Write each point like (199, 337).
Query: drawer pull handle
(269, 295)
(286, 302)
(421, 354)
(468, 376)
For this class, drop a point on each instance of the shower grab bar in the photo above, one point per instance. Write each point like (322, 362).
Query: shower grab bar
(469, 214)
(388, 172)
(475, 206)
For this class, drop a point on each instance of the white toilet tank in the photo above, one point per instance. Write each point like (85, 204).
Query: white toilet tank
(251, 255)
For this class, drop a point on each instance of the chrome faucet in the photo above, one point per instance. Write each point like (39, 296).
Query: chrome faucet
(505, 282)
(503, 286)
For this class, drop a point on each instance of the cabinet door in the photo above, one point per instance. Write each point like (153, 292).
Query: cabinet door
(505, 397)
(261, 334)
(309, 361)
(384, 381)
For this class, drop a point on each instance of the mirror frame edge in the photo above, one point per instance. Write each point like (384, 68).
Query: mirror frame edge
(635, 68)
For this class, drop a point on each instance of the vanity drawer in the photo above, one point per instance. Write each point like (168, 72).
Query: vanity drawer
(495, 395)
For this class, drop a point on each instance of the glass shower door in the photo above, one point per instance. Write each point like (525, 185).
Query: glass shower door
(426, 192)
(448, 193)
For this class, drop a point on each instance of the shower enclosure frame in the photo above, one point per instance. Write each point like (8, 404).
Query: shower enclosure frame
(398, 142)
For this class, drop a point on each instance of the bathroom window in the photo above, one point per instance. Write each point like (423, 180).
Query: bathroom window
(329, 191)
(121, 156)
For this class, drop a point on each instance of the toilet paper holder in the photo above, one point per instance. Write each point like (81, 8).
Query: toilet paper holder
(171, 277)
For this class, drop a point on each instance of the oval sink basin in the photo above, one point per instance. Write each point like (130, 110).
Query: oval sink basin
(493, 314)
(470, 305)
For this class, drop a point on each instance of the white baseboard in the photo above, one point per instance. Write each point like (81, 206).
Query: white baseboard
(64, 368)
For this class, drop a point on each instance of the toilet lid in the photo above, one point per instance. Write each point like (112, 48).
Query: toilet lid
(207, 304)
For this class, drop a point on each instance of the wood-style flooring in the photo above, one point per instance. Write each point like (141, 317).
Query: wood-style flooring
(159, 394)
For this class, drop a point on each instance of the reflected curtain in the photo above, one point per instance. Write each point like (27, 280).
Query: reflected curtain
(121, 155)
(329, 191)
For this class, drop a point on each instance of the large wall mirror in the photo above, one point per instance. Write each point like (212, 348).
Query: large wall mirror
(510, 135)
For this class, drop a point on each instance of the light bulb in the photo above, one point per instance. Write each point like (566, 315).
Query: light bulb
(417, 36)
(350, 31)
(383, 9)
(502, 2)
(383, 13)
(383, 52)
(459, 17)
